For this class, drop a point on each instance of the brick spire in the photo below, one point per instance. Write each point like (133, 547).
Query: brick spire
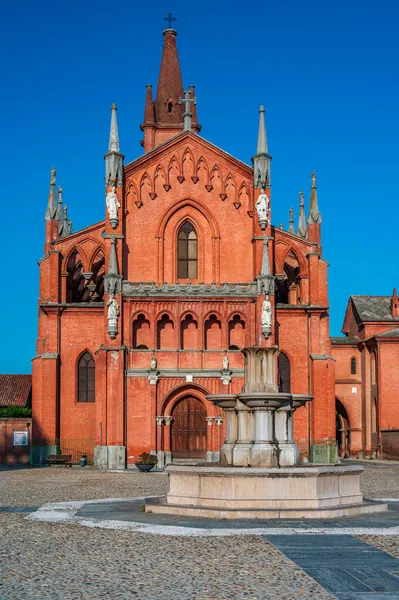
(164, 117)
(149, 116)
(170, 84)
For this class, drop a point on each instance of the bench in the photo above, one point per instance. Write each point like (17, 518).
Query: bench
(59, 459)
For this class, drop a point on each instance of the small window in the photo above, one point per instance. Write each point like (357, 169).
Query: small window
(86, 378)
(353, 366)
(187, 252)
(170, 107)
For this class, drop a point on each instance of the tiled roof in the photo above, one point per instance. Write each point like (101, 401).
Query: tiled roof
(15, 389)
(374, 308)
(343, 340)
(390, 333)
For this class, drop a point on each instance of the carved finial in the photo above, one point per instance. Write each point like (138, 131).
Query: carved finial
(51, 210)
(113, 135)
(261, 160)
(281, 225)
(301, 231)
(291, 226)
(314, 213)
(262, 139)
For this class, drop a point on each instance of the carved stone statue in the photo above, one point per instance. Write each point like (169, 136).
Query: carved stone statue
(266, 316)
(113, 314)
(262, 206)
(225, 363)
(112, 203)
(153, 363)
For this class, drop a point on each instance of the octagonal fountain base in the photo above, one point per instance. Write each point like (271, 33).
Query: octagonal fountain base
(265, 493)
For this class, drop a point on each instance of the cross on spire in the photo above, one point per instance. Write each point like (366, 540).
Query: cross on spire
(187, 114)
(170, 19)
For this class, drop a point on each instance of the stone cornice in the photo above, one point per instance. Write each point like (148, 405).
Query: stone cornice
(182, 373)
(232, 290)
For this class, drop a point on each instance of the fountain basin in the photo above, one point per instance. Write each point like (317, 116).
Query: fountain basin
(293, 492)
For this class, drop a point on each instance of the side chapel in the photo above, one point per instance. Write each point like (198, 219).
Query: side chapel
(144, 314)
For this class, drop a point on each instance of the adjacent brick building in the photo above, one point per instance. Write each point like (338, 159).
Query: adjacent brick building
(144, 314)
(367, 377)
(15, 431)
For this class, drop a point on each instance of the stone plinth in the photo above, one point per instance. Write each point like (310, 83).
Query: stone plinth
(292, 492)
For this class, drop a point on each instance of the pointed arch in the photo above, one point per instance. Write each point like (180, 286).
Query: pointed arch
(132, 195)
(202, 170)
(76, 290)
(216, 182)
(173, 169)
(230, 188)
(187, 251)
(145, 187)
(160, 180)
(244, 197)
(86, 377)
(188, 164)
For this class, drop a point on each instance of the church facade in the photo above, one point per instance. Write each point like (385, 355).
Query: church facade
(144, 314)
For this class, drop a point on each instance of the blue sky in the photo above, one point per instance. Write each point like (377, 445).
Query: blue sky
(327, 73)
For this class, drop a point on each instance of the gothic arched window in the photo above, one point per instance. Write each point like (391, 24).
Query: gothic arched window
(353, 366)
(187, 252)
(86, 378)
(284, 373)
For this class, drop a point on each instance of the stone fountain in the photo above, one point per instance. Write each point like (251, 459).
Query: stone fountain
(259, 475)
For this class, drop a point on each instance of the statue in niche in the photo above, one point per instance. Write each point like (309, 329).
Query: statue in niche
(225, 363)
(266, 316)
(153, 363)
(113, 313)
(262, 206)
(112, 203)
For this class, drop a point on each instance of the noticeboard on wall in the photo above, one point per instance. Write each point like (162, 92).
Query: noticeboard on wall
(20, 438)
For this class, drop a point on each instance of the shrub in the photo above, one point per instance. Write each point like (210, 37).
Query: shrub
(147, 459)
(9, 412)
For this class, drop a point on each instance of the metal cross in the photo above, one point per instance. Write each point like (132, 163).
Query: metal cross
(169, 18)
(187, 114)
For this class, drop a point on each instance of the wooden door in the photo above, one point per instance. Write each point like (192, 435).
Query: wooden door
(189, 429)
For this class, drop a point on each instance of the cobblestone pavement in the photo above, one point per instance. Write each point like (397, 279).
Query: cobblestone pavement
(34, 487)
(380, 479)
(54, 562)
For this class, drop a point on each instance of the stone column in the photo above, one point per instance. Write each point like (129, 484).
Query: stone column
(216, 452)
(209, 439)
(167, 434)
(159, 445)
(288, 450)
(227, 402)
(243, 445)
(264, 451)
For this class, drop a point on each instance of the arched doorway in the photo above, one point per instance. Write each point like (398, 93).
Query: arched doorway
(342, 429)
(189, 428)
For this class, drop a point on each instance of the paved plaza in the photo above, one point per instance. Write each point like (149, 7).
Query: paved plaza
(98, 544)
